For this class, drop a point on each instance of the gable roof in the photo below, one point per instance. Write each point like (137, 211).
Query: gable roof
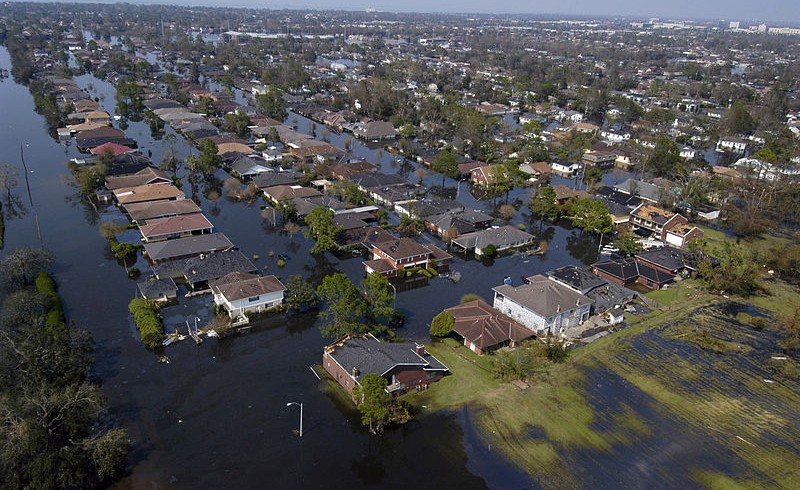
(216, 265)
(543, 296)
(629, 269)
(147, 175)
(141, 211)
(501, 237)
(147, 192)
(370, 356)
(279, 192)
(485, 326)
(241, 285)
(184, 247)
(174, 224)
(401, 248)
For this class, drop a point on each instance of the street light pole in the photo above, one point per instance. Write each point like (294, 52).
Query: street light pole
(301, 415)
(395, 294)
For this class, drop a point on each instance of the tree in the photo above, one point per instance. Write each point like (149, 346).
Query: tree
(590, 215)
(170, 161)
(346, 308)
(591, 176)
(738, 120)
(734, 274)
(21, 266)
(628, 244)
(446, 164)
(379, 296)
(507, 211)
(664, 160)
(300, 294)
(377, 407)
(543, 204)
(209, 159)
(442, 324)
(323, 229)
(236, 122)
(271, 103)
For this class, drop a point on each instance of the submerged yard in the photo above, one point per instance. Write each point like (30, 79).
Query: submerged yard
(691, 394)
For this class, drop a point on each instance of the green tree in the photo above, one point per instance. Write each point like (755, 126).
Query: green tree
(208, 160)
(442, 324)
(345, 307)
(664, 160)
(271, 103)
(738, 120)
(446, 164)
(590, 215)
(543, 204)
(735, 273)
(323, 229)
(300, 294)
(377, 407)
(379, 296)
(628, 244)
(236, 122)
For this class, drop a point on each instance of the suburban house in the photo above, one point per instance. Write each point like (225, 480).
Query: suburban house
(404, 365)
(241, 292)
(484, 328)
(628, 271)
(599, 159)
(673, 260)
(666, 226)
(181, 248)
(147, 193)
(606, 295)
(563, 168)
(343, 171)
(403, 253)
(731, 144)
(451, 225)
(544, 306)
(487, 175)
(638, 188)
(201, 269)
(247, 166)
(175, 227)
(145, 176)
(143, 211)
(279, 193)
(375, 131)
(536, 171)
(501, 238)
(158, 290)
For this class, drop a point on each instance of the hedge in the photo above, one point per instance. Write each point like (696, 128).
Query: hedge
(148, 323)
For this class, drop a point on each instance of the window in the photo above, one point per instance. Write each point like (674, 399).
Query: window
(253, 299)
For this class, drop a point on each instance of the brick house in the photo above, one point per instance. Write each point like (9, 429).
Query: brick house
(484, 328)
(404, 365)
(669, 227)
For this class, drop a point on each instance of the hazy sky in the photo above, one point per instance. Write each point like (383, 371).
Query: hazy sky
(776, 11)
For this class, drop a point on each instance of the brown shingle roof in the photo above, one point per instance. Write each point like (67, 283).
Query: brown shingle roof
(241, 285)
(485, 326)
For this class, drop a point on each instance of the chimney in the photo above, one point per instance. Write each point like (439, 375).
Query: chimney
(558, 308)
(419, 349)
(356, 372)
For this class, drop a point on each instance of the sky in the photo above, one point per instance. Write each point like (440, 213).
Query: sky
(783, 12)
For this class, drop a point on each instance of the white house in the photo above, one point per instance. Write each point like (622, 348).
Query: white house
(564, 168)
(688, 153)
(544, 306)
(732, 144)
(242, 292)
(614, 136)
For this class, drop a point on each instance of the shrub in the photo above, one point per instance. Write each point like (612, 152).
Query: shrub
(490, 251)
(442, 324)
(522, 226)
(281, 262)
(149, 325)
(469, 297)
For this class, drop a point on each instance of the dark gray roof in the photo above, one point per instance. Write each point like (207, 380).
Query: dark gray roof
(213, 266)
(304, 205)
(187, 247)
(158, 288)
(671, 258)
(543, 296)
(580, 280)
(271, 179)
(370, 356)
(609, 296)
(369, 180)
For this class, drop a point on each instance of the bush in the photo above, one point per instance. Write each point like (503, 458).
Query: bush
(490, 251)
(469, 297)
(433, 271)
(401, 273)
(281, 262)
(149, 325)
(522, 227)
(442, 324)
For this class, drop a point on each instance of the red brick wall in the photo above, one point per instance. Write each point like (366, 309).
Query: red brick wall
(338, 373)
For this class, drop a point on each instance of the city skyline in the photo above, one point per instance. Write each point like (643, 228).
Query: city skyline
(779, 12)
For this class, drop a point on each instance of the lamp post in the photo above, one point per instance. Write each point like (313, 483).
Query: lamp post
(301, 415)
(395, 294)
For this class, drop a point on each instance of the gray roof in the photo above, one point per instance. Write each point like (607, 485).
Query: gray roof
(187, 247)
(370, 356)
(543, 296)
(502, 237)
(271, 179)
(158, 288)
(580, 280)
(216, 265)
(645, 190)
(158, 209)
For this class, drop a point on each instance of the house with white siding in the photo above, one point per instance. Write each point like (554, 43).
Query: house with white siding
(242, 292)
(545, 306)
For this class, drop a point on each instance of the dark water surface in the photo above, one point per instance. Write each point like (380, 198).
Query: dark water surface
(215, 416)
